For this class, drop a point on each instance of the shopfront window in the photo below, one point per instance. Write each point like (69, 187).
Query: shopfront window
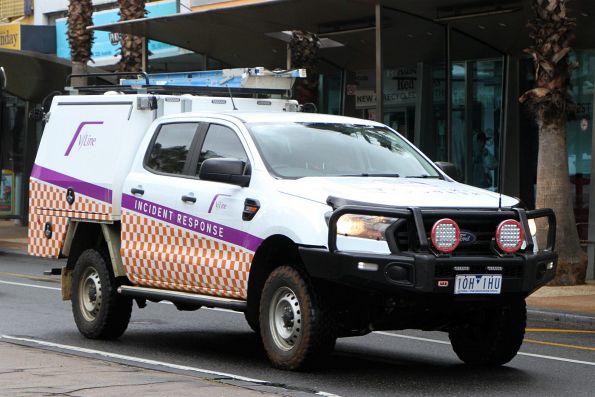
(476, 112)
(330, 96)
(415, 81)
(579, 138)
(13, 112)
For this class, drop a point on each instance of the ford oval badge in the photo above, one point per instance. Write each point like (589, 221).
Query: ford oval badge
(467, 238)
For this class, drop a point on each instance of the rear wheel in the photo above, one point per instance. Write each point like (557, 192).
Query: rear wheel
(99, 311)
(294, 328)
(491, 337)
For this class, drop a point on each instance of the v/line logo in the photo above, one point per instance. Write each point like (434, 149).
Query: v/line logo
(84, 140)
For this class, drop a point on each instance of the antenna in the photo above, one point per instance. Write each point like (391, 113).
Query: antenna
(231, 97)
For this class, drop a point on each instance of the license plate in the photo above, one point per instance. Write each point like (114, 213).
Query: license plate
(478, 283)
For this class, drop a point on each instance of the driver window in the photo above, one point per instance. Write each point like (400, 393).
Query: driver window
(221, 141)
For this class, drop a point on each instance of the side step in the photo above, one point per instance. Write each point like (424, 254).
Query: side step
(154, 294)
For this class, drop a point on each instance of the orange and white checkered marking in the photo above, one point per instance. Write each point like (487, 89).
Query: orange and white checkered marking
(47, 203)
(45, 196)
(157, 254)
(39, 244)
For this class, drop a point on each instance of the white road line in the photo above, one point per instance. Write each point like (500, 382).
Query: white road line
(412, 337)
(568, 360)
(29, 285)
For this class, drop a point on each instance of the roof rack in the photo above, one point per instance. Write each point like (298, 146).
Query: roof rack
(256, 81)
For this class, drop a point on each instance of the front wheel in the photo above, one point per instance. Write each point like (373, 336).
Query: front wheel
(491, 337)
(99, 311)
(294, 328)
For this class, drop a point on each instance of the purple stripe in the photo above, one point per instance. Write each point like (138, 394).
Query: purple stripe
(190, 222)
(78, 131)
(65, 181)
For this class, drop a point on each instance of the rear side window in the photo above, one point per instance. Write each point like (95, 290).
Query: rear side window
(171, 147)
(221, 141)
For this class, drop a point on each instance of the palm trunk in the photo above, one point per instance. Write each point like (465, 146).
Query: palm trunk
(79, 68)
(133, 48)
(80, 16)
(553, 191)
(552, 33)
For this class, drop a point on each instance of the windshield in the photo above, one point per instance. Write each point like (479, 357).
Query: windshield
(296, 150)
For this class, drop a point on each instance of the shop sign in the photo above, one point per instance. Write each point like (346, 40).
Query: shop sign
(10, 36)
(367, 99)
(106, 45)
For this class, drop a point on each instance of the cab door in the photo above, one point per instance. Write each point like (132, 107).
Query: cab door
(218, 242)
(180, 232)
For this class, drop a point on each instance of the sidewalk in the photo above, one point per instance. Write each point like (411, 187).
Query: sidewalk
(13, 237)
(26, 371)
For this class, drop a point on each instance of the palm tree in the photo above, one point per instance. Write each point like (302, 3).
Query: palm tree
(552, 32)
(304, 48)
(133, 47)
(80, 15)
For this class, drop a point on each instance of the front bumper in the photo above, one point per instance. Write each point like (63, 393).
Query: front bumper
(427, 273)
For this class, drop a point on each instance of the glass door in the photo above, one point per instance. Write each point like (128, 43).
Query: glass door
(476, 118)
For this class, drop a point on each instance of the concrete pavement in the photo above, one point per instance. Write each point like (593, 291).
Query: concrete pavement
(26, 371)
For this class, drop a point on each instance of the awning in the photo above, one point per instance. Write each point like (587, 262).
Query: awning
(238, 35)
(31, 75)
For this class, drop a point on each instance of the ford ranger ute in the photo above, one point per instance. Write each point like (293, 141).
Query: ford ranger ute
(314, 226)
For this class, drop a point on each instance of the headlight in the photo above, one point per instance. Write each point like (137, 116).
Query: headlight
(364, 226)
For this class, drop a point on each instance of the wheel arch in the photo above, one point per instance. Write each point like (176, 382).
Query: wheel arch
(83, 235)
(275, 251)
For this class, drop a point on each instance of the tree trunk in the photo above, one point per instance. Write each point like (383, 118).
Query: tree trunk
(79, 68)
(553, 191)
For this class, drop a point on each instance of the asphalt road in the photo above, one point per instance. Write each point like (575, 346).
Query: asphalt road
(552, 362)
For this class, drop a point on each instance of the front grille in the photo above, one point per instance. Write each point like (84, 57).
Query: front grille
(484, 230)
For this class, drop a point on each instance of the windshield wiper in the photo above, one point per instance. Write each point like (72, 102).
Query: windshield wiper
(425, 176)
(374, 175)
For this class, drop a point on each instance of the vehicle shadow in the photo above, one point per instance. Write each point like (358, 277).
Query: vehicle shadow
(352, 369)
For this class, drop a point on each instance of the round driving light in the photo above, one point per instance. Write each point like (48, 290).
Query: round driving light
(509, 236)
(446, 235)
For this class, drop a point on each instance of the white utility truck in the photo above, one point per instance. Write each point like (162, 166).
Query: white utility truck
(210, 189)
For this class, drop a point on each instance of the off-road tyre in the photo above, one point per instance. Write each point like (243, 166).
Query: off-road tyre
(307, 333)
(492, 337)
(99, 311)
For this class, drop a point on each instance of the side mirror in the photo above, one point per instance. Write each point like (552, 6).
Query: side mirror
(449, 169)
(224, 170)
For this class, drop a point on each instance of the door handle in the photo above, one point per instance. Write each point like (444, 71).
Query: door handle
(136, 190)
(188, 199)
